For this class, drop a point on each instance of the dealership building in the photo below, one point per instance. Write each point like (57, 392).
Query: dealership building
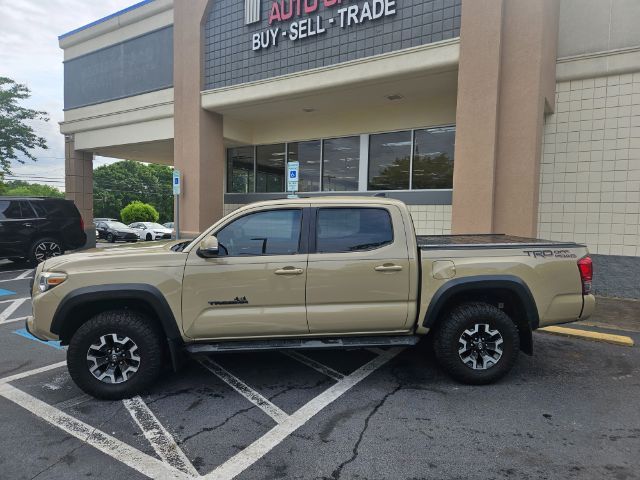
(483, 116)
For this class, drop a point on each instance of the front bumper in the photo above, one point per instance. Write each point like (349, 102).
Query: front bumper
(127, 237)
(29, 325)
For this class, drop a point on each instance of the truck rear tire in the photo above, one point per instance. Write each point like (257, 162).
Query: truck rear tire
(477, 343)
(115, 355)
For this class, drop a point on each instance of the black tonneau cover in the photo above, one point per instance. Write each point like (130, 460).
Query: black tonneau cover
(487, 241)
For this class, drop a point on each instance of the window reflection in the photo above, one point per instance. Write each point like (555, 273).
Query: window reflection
(341, 164)
(270, 168)
(389, 161)
(433, 158)
(308, 154)
(240, 170)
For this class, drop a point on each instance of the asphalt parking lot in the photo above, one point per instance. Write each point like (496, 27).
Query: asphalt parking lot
(570, 411)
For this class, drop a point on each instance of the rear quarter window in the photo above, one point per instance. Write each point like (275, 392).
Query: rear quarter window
(340, 230)
(56, 209)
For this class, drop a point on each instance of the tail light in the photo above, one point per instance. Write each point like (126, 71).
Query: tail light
(82, 224)
(585, 265)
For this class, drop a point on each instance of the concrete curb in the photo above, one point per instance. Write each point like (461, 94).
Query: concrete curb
(589, 335)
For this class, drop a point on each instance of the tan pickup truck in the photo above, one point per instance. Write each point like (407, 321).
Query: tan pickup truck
(309, 273)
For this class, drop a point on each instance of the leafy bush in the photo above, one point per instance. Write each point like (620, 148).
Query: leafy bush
(137, 211)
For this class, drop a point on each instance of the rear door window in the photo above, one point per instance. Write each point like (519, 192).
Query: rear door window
(340, 230)
(15, 210)
(56, 209)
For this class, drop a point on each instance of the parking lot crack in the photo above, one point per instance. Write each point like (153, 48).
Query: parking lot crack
(215, 427)
(335, 475)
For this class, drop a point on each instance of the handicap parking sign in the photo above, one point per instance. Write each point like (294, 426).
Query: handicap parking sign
(292, 174)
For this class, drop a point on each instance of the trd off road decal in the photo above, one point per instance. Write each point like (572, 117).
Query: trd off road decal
(550, 254)
(235, 301)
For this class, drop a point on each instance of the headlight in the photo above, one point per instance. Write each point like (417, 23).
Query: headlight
(48, 280)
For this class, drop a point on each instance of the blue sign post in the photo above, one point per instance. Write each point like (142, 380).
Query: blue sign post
(177, 186)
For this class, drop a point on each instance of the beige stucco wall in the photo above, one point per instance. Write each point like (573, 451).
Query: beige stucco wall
(507, 71)
(590, 175)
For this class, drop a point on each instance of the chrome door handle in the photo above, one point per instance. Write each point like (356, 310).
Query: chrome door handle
(289, 271)
(388, 268)
(28, 225)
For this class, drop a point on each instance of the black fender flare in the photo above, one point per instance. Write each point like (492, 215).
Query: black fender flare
(148, 294)
(511, 283)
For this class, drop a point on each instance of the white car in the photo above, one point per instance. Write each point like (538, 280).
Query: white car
(151, 231)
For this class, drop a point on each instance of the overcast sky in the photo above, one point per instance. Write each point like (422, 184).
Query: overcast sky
(29, 54)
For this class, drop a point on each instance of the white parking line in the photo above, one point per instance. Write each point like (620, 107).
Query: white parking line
(7, 312)
(309, 362)
(13, 300)
(29, 373)
(243, 389)
(154, 431)
(15, 279)
(143, 463)
(15, 271)
(13, 320)
(24, 275)
(376, 350)
(258, 449)
(159, 438)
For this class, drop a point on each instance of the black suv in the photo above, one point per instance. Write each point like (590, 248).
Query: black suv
(34, 229)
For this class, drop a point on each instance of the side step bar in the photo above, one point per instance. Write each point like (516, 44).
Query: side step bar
(302, 344)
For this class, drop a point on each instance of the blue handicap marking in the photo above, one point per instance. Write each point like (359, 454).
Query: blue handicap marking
(4, 293)
(293, 174)
(23, 333)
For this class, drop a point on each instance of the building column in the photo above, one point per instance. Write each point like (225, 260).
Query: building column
(198, 137)
(79, 185)
(506, 84)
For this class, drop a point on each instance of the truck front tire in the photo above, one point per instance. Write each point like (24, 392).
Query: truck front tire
(115, 355)
(477, 343)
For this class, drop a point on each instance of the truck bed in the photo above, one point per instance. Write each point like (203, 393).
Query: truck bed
(486, 241)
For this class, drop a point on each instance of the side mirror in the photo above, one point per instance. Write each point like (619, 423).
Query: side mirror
(208, 247)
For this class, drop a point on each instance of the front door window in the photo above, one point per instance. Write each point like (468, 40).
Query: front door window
(276, 232)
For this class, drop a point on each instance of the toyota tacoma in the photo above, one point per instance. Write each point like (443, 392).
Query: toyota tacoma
(307, 273)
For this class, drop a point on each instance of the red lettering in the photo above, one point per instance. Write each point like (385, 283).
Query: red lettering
(310, 8)
(331, 3)
(286, 15)
(275, 13)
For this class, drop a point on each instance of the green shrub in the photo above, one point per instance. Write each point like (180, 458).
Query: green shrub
(137, 211)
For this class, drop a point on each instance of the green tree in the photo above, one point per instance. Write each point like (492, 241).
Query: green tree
(19, 188)
(117, 185)
(17, 137)
(139, 212)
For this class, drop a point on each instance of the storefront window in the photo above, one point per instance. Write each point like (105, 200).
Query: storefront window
(270, 168)
(389, 161)
(308, 154)
(433, 158)
(240, 170)
(341, 164)
(393, 163)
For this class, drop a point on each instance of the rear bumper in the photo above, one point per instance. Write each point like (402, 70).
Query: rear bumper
(588, 306)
